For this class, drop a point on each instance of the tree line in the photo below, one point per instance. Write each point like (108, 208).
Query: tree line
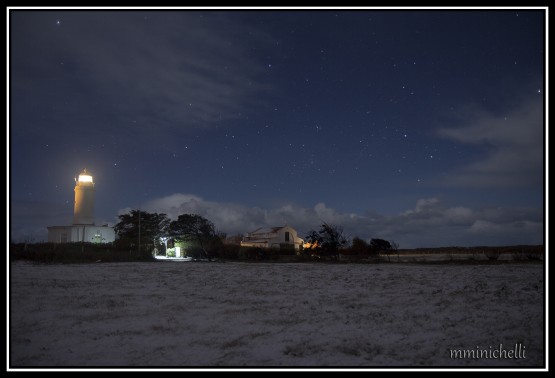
(330, 241)
(146, 231)
(149, 231)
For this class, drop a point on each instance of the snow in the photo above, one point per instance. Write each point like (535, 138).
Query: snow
(164, 258)
(235, 314)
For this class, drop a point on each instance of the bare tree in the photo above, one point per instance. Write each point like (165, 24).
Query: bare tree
(328, 240)
(394, 248)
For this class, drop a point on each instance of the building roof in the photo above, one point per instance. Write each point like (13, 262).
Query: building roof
(266, 230)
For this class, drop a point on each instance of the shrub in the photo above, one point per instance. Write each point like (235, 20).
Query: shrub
(519, 255)
(196, 252)
(252, 253)
(492, 253)
(75, 253)
(534, 255)
(229, 251)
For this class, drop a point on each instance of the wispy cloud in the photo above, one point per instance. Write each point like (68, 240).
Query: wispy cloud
(514, 143)
(189, 71)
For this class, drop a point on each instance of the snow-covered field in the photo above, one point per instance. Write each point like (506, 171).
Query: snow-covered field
(197, 314)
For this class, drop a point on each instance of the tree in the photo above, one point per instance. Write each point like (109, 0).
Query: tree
(394, 248)
(360, 246)
(149, 227)
(328, 240)
(193, 227)
(380, 245)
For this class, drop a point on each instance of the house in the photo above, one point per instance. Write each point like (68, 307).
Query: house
(284, 238)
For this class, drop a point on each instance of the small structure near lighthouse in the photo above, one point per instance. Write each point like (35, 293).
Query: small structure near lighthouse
(83, 228)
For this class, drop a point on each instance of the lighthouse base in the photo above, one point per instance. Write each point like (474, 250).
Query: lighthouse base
(81, 233)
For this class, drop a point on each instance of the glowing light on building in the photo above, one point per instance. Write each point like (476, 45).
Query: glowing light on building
(308, 245)
(85, 178)
(83, 209)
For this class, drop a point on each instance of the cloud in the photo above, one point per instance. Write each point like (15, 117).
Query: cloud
(136, 73)
(514, 144)
(428, 224)
(423, 206)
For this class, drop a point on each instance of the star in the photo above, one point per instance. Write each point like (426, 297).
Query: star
(274, 120)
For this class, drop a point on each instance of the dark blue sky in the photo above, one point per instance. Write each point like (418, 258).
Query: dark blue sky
(425, 127)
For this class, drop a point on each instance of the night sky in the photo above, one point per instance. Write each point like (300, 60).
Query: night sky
(425, 127)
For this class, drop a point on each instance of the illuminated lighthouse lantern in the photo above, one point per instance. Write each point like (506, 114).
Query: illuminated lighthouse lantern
(83, 210)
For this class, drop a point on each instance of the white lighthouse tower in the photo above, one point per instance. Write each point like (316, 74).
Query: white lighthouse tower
(83, 210)
(83, 228)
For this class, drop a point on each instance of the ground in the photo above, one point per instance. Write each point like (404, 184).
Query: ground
(234, 314)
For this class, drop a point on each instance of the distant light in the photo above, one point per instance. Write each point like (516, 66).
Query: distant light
(85, 178)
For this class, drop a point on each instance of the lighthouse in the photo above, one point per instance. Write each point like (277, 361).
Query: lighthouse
(83, 229)
(83, 209)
